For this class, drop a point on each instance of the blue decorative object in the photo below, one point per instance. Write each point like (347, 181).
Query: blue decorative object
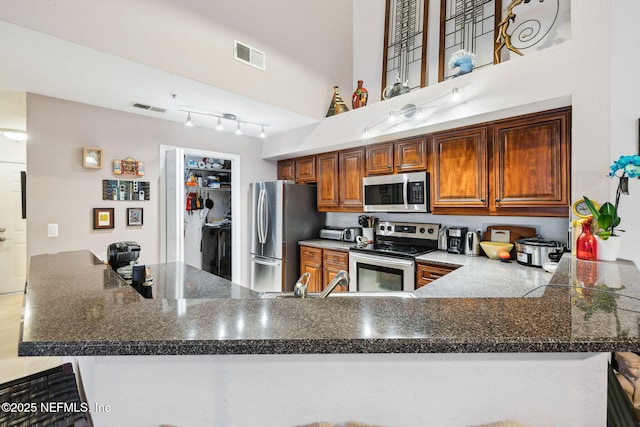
(463, 59)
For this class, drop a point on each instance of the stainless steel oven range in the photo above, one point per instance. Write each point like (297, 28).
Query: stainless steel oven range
(389, 263)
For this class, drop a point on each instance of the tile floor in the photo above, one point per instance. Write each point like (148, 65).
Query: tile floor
(12, 366)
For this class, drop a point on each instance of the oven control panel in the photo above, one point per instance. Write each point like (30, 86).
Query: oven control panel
(408, 229)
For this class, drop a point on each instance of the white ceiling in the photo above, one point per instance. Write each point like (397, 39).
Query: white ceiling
(39, 63)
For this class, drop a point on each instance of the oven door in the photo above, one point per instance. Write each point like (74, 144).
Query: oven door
(380, 273)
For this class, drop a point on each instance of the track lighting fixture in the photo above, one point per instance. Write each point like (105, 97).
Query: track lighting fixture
(410, 111)
(188, 122)
(230, 117)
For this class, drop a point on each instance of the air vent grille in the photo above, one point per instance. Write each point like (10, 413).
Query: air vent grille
(249, 55)
(148, 107)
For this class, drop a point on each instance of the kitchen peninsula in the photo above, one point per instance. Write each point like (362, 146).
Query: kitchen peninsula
(76, 306)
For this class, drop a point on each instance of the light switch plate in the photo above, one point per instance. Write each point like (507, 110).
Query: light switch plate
(52, 230)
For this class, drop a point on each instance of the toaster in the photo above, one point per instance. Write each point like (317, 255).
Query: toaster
(347, 234)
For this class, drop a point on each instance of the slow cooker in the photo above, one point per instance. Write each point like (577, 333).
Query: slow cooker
(535, 251)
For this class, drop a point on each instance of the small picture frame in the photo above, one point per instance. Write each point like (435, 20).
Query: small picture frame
(91, 158)
(103, 218)
(134, 216)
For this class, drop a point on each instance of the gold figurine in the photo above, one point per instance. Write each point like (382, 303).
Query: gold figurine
(503, 38)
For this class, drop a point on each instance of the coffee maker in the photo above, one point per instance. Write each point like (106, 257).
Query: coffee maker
(456, 237)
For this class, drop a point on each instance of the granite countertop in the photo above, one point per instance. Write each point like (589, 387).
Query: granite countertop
(75, 305)
(336, 245)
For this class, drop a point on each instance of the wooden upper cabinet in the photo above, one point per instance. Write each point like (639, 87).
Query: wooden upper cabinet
(351, 174)
(531, 161)
(411, 154)
(305, 169)
(380, 158)
(328, 190)
(460, 168)
(301, 169)
(406, 155)
(286, 169)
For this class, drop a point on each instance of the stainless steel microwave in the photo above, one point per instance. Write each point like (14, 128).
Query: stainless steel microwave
(404, 192)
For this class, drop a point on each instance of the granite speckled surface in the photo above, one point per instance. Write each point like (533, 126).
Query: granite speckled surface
(75, 305)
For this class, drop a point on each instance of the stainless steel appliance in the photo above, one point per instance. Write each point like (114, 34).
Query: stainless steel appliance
(389, 263)
(403, 192)
(216, 249)
(282, 214)
(472, 243)
(535, 251)
(347, 234)
(456, 239)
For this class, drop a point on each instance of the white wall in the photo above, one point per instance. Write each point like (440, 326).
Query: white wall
(625, 113)
(308, 44)
(61, 191)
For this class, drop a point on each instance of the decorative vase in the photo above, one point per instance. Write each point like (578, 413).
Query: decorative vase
(608, 249)
(586, 245)
(360, 96)
(337, 105)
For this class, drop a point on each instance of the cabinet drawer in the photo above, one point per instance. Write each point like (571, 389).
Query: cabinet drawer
(338, 259)
(308, 253)
(427, 273)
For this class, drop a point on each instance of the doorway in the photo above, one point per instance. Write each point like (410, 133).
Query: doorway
(181, 232)
(13, 227)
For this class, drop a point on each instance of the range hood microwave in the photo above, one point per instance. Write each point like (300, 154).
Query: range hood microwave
(404, 192)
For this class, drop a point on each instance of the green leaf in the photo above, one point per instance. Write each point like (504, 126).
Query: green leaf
(592, 208)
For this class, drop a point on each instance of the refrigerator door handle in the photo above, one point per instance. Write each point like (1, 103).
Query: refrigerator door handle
(265, 216)
(260, 214)
(264, 261)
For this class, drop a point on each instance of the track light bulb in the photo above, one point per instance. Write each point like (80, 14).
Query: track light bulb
(219, 125)
(262, 134)
(188, 122)
(238, 130)
(366, 132)
(455, 94)
(392, 117)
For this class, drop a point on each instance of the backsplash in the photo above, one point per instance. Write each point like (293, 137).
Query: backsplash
(548, 228)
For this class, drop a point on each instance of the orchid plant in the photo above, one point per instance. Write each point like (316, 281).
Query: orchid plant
(606, 217)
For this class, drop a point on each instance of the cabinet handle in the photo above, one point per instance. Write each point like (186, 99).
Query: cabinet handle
(482, 200)
(388, 166)
(497, 200)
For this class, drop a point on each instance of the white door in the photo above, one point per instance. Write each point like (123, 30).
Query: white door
(174, 184)
(13, 229)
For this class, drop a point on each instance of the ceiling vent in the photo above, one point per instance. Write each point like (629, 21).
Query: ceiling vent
(249, 55)
(148, 107)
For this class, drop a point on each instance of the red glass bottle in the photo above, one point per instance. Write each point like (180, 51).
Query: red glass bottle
(586, 245)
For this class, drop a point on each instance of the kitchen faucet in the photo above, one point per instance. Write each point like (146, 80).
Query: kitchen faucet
(342, 279)
(300, 289)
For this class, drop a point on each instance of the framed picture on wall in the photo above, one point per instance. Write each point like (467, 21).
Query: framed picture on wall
(91, 158)
(102, 218)
(134, 216)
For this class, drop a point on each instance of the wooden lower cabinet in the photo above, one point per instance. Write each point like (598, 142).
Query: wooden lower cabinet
(323, 265)
(428, 272)
(311, 262)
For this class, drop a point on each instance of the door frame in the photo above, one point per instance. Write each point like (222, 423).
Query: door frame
(236, 235)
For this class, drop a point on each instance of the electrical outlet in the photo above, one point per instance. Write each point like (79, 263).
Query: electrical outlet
(52, 230)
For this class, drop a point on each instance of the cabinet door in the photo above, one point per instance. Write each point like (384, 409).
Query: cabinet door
(306, 169)
(328, 189)
(351, 174)
(411, 155)
(460, 168)
(286, 169)
(311, 262)
(380, 158)
(329, 273)
(531, 162)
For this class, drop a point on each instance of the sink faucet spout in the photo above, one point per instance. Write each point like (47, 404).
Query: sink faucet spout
(341, 279)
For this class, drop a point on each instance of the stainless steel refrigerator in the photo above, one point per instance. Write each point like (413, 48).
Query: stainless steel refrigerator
(283, 213)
